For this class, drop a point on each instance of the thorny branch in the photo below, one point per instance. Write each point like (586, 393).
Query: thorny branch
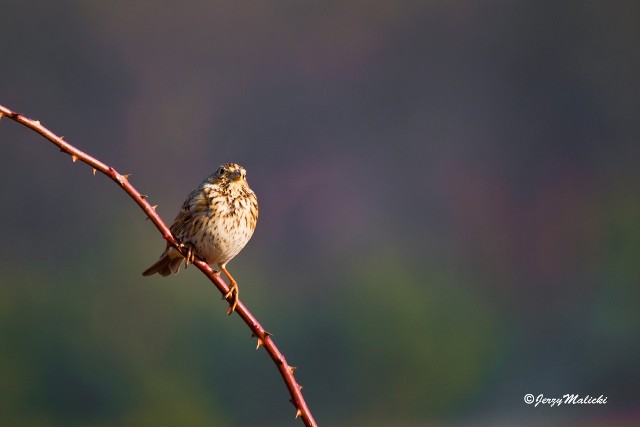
(257, 331)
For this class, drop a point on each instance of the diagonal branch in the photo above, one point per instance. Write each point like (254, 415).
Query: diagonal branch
(257, 331)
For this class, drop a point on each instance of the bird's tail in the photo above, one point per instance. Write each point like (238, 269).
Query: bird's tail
(169, 263)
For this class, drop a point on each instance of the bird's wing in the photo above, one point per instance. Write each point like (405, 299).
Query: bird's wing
(192, 210)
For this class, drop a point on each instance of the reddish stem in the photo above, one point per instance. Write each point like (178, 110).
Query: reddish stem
(263, 337)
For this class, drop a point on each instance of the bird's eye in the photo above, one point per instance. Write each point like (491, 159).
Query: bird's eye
(220, 171)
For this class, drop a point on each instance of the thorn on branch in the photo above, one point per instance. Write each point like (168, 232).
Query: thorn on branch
(292, 369)
(94, 171)
(298, 412)
(74, 158)
(142, 196)
(154, 207)
(261, 340)
(126, 176)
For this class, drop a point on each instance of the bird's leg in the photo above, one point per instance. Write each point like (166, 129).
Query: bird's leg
(233, 290)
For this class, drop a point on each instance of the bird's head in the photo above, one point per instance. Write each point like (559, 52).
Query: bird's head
(231, 173)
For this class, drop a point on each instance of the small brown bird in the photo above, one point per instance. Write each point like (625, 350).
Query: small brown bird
(214, 224)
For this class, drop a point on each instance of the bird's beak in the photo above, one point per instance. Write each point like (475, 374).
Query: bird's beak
(236, 175)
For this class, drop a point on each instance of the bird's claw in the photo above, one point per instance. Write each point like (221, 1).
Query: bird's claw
(233, 294)
(191, 255)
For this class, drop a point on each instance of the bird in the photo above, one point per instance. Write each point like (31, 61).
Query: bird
(214, 224)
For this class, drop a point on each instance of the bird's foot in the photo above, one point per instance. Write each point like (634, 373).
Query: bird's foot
(233, 295)
(191, 254)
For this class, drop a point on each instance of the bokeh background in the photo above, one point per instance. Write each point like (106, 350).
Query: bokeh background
(449, 211)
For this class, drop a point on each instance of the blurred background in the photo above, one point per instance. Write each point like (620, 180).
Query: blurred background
(449, 211)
